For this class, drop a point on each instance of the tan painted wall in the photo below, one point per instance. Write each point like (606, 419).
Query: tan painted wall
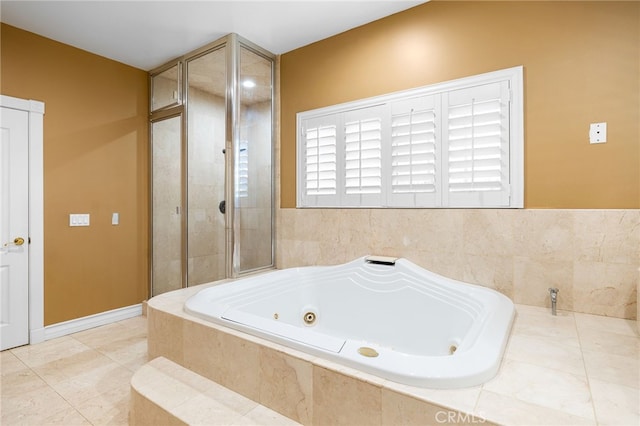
(581, 63)
(95, 161)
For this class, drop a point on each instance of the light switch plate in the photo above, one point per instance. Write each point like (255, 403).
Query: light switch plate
(79, 219)
(598, 133)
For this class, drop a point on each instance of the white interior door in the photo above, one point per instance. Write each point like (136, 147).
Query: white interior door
(14, 228)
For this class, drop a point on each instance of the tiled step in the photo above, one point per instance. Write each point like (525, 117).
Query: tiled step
(165, 393)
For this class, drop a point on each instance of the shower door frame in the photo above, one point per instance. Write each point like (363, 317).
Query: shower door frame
(158, 116)
(233, 44)
(237, 42)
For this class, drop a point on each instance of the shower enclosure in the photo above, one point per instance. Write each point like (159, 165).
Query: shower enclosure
(211, 165)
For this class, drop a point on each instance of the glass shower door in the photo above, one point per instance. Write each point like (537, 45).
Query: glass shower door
(253, 164)
(206, 118)
(166, 215)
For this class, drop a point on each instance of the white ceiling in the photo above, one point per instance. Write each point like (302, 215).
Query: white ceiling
(148, 33)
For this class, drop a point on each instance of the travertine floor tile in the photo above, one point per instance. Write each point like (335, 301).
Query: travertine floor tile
(539, 351)
(606, 324)
(543, 386)
(138, 323)
(130, 352)
(538, 322)
(615, 404)
(612, 368)
(32, 406)
(93, 383)
(9, 363)
(109, 408)
(595, 340)
(49, 351)
(67, 367)
(100, 336)
(68, 416)
(69, 381)
(17, 382)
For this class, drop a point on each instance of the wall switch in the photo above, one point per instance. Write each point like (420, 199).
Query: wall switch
(598, 133)
(79, 219)
(115, 219)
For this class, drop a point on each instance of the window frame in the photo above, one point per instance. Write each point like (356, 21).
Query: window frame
(515, 184)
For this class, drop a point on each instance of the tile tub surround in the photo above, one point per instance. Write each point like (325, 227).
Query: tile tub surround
(592, 256)
(571, 369)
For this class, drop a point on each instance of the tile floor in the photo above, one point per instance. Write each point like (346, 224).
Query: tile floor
(84, 379)
(79, 379)
(569, 369)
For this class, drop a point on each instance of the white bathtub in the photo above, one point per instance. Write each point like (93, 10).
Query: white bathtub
(397, 321)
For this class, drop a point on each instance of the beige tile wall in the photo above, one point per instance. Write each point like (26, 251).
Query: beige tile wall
(254, 211)
(206, 163)
(592, 256)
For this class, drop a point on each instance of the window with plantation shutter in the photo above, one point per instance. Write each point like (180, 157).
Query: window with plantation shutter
(476, 161)
(319, 157)
(454, 144)
(415, 143)
(363, 157)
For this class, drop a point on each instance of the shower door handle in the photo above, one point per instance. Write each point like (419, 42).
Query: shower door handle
(222, 207)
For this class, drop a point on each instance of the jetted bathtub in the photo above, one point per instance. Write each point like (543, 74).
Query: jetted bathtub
(384, 316)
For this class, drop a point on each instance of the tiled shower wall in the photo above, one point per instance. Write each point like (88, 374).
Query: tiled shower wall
(254, 210)
(592, 256)
(206, 176)
(206, 185)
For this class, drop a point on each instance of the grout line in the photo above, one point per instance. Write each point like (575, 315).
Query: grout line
(87, 347)
(584, 366)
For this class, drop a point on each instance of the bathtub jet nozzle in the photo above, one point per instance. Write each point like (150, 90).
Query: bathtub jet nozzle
(309, 318)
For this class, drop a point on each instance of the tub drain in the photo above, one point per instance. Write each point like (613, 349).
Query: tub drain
(309, 318)
(368, 352)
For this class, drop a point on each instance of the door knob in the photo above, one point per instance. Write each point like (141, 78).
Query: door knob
(18, 241)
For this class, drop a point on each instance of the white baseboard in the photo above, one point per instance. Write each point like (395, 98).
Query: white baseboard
(36, 336)
(91, 321)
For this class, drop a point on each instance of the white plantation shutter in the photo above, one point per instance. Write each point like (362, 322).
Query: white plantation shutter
(319, 157)
(242, 170)
(363, 157)
(453, 144)
(415, 140)
(476, 161)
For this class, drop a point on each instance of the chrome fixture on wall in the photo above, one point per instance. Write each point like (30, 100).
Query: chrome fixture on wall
(553, 293)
